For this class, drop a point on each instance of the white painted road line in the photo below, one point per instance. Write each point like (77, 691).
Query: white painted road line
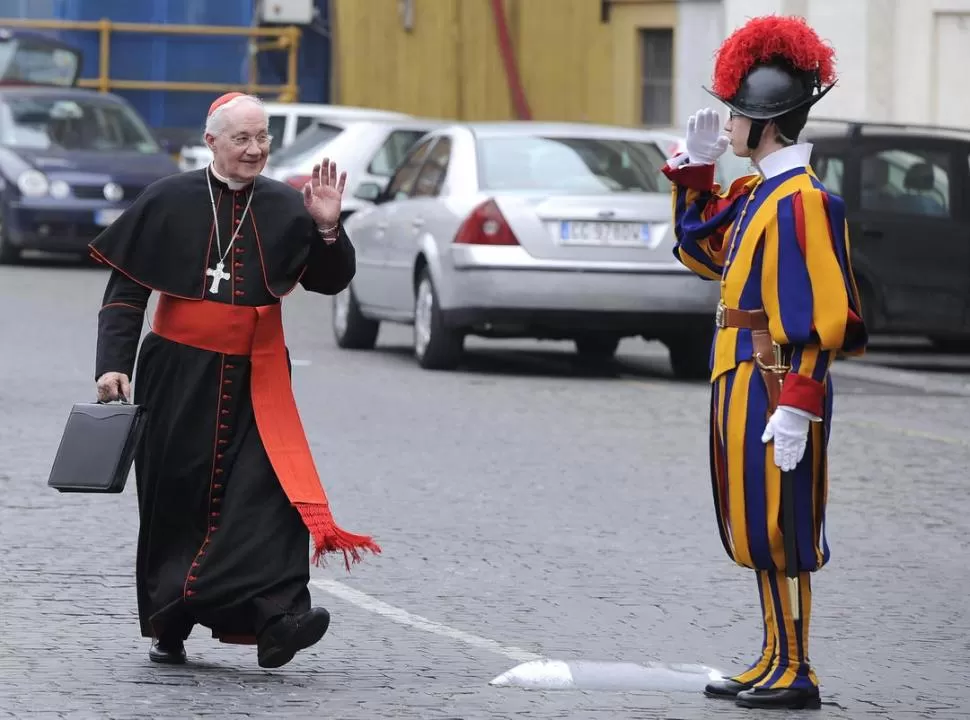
(617, 676)
(403, 617)
(534, 671)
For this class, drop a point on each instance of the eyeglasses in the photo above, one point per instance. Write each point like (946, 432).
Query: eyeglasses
(242, 141)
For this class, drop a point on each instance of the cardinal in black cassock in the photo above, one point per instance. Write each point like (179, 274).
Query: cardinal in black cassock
(229, 497)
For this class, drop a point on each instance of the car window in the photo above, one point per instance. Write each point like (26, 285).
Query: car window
(51, 122)
(906, 182)
(392, 152)
(276, 127)
(303, 122)
(313, 137)
(570, 164)
(432, 174)
(403, 180)
(830, 170)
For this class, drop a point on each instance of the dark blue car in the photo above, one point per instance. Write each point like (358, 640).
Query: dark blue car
(71, 161)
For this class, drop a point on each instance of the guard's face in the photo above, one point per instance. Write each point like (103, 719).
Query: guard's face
(242, 148)
(737, 128)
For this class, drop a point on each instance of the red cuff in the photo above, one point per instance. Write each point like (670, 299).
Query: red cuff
(803, 393)
(694, 177)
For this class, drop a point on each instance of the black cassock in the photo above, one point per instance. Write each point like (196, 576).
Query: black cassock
(219, 543)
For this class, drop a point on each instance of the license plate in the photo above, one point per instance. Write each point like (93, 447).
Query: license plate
(604, 233)
(107, 216)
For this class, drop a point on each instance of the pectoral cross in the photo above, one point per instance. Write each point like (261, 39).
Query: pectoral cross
(218, 275)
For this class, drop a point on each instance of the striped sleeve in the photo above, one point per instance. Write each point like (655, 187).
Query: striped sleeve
(701, 215)
(809, 292)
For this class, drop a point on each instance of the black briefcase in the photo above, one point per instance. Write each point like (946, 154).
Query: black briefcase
(97, 448)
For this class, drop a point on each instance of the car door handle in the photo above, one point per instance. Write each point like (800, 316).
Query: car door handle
(417, 223)
(382, 226)
(873, 232)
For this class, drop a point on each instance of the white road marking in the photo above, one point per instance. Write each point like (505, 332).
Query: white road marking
(535, 671)
(403, 617)
(621, 676)
(300, 363)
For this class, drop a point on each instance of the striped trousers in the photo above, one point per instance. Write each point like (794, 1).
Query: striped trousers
(747, 501)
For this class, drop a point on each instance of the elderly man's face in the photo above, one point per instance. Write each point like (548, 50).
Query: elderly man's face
(241, 149)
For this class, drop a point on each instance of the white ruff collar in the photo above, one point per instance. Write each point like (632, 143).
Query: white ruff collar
(785, 159)
(233, 184)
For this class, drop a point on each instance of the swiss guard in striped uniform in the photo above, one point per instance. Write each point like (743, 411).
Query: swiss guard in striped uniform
(778, 243)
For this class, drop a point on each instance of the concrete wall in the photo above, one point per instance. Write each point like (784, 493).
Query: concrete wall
(897, 60)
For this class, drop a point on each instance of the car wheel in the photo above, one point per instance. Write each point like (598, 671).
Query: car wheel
(351, 329)
(597, 348)
(690, 355)
(8, 253)
(436, 347)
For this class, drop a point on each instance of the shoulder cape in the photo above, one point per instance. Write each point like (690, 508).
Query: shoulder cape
(163, 240)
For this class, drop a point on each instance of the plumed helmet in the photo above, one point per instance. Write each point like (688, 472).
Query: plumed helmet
(771, 66)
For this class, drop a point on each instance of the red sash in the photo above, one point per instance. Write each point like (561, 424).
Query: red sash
(257, 332)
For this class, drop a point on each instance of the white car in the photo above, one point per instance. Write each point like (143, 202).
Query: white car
(368, 150)
(286, 122)
(526, 229)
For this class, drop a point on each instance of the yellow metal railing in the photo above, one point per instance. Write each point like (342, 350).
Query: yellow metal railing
(282, 38)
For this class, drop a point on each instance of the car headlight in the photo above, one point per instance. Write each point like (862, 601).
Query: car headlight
(60, 189)
(32, 183)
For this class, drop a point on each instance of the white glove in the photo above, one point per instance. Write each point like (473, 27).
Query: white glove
(789, 429)
(705, 143)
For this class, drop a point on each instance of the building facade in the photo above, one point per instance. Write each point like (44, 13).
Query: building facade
(612, 61)
(898, 60)
(635, 62)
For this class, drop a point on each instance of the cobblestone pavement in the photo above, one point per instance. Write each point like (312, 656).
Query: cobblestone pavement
(519, 500)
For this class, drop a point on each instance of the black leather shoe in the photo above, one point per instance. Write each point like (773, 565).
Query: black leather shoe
(167, 653)
(780, 698)
(278, 643)
(725, 688)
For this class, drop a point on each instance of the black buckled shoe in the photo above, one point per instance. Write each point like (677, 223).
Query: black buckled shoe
(780, 698)
(725, 688)
(279, 642)
(167, 653)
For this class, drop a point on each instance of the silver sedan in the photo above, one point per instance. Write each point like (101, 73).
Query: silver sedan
(552, 231)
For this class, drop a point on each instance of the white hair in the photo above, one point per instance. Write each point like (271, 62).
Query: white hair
(216, 123)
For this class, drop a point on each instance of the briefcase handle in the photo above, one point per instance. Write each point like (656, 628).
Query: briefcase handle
(121, 401)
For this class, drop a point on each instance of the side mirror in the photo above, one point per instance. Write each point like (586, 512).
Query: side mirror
(369, 191)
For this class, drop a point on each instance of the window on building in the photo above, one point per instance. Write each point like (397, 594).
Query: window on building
(657, 76)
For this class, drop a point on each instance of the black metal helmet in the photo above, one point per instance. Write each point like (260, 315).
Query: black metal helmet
(772, 68)
(773, 89)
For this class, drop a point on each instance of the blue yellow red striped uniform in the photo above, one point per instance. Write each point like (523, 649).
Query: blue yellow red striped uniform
(779, 243)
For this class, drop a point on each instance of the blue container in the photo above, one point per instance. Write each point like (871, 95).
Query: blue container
(164, 57)
(186, 58)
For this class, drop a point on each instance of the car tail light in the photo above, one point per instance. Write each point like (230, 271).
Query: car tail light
(486, 225)
(298, 181)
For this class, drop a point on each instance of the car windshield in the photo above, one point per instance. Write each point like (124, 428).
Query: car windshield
(44, 122)
(311, 138)
(570, 164)
(730, 167)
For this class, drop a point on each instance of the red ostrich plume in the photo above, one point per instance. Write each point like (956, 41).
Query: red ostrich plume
(762, 38)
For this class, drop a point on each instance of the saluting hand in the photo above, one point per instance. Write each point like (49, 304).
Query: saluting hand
(704, 141)
(322, 195)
